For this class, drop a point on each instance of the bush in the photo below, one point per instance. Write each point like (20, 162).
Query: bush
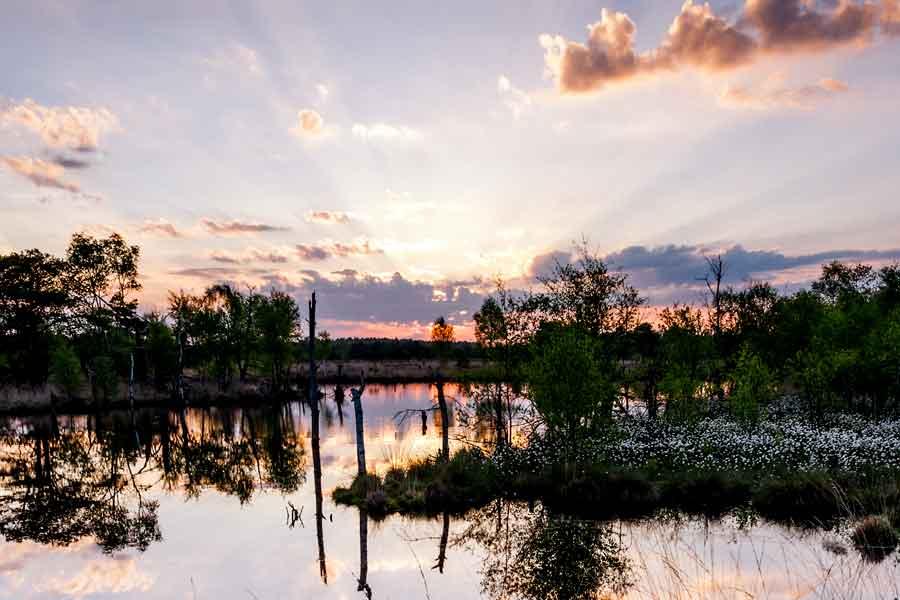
(754, 385)
(570, 391)
(682, 394)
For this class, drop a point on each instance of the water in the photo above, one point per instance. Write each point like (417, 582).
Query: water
(199, 504)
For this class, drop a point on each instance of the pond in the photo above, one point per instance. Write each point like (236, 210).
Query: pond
(220, 503)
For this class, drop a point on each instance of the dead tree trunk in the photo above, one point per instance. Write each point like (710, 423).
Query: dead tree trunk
(314, 418)
(356, 394)
(445, 419)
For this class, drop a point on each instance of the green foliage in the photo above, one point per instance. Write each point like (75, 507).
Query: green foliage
(584, 293)
(681, 389)
(278, 325)
(162, 352)
(65, 368)
(753, 387)
(571, 392)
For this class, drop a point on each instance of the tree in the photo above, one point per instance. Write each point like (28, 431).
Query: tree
(102, 274)
(162, 352)
(237, 313)
(33, 303)
(278, 322)
(843, 283)
(570, 391)
(753, 386)
(490, 325)
(586, 294)
(442, 331)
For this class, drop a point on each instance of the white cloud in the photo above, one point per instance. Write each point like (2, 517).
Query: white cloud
(386, 132)
(517, 101)
(236, 57)
(71, 127)
(772, 95)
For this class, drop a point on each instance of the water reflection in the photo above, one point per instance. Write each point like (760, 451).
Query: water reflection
(533, 554)
(200, 503)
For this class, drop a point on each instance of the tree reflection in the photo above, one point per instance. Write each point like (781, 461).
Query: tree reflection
(533, 554)
(60, 490)
(88, 477)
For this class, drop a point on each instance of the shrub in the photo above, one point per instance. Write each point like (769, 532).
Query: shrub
(681, 391)
(754, 385)
(569, 389)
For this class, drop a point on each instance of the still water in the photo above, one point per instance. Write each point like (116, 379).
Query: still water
(220, 504)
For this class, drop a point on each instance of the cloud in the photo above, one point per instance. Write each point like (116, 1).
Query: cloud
(326, 250)
(701, 39)
(238, 227)
(543, 265)
(309, 124)
(70, 162)
(73, 127)
(41, 173)
(107, 575)
(250, 255)
(386, 132)
(312, 252)
(160, 227)
(801, 98)
(795, 25)
(890, 17)
(395, 299)
(322, 91)
(236, 56)
(673, 265)
(327, 217)
(517, 101)
(363, 248)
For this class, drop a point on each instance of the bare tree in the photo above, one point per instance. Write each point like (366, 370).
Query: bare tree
(356, 394)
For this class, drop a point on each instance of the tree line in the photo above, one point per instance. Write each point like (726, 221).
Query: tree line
(583, 338)
(586, 344)
(74, 321)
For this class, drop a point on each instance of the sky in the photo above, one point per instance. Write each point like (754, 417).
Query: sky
(398, 157)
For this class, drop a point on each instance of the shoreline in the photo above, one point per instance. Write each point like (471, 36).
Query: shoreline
(27, 400)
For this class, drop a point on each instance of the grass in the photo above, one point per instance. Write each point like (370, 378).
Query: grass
(875, 538)
(471, 480)
(425, 486)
